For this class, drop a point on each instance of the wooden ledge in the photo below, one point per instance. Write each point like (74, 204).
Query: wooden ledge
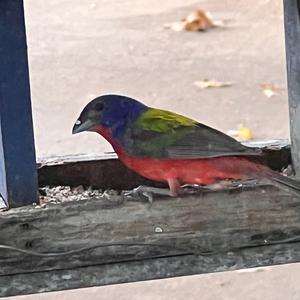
(109, 242)
(210, 232)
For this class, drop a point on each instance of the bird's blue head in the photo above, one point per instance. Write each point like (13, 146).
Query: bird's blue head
(110, 111)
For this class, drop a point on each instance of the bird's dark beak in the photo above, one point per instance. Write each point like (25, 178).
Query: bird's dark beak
(80, 127)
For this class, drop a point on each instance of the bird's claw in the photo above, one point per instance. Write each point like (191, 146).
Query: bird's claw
(137, 194)
(190, 189)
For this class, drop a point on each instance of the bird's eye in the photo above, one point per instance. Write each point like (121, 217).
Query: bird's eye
(99, 106)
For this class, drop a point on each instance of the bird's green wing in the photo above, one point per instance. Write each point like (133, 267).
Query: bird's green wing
(163, 134)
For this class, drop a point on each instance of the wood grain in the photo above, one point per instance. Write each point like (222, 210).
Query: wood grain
(209, 232)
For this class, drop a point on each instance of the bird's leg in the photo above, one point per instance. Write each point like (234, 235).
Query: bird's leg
(174, 186)
(148, 192)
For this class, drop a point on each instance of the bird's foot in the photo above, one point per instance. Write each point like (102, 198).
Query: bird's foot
(239, 184)
(224, 185)
(191, 189)
(145, 193)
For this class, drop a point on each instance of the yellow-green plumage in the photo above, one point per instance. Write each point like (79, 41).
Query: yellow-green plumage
(159, 120)
(160, 134)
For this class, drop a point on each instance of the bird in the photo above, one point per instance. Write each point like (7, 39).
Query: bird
(168, 147)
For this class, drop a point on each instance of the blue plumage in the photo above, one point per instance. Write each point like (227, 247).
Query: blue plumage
(119, 111)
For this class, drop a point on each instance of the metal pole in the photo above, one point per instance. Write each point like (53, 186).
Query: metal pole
(18, 174)
(292, 45)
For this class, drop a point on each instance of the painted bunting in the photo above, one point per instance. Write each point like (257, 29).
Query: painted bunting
(171, 148)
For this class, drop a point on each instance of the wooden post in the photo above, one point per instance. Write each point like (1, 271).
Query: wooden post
(292, 44)
(18, 175)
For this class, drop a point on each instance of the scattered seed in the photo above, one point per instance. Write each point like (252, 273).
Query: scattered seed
(158, 230)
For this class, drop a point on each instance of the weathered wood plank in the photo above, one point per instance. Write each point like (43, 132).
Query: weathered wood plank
(188, 235)
(292, 45)
(100, 275)
(18, 176)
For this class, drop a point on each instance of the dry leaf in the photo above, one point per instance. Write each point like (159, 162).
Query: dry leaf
(198, 20)
(204, 84)
(270, 90)
(176, 26)
(195, 21)
(243, 134)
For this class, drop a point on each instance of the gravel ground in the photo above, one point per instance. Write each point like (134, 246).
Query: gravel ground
(59, 194)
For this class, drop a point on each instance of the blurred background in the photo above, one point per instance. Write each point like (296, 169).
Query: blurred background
(230, 76)
(81, 49)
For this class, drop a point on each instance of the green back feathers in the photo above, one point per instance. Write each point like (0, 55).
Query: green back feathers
(163, 121)
(161, 134)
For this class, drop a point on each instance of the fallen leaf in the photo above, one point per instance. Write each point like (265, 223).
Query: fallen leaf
(242, 134)
(176, 26)
(245, 134)
(269, 89)
(204, 84)
(197, 20)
